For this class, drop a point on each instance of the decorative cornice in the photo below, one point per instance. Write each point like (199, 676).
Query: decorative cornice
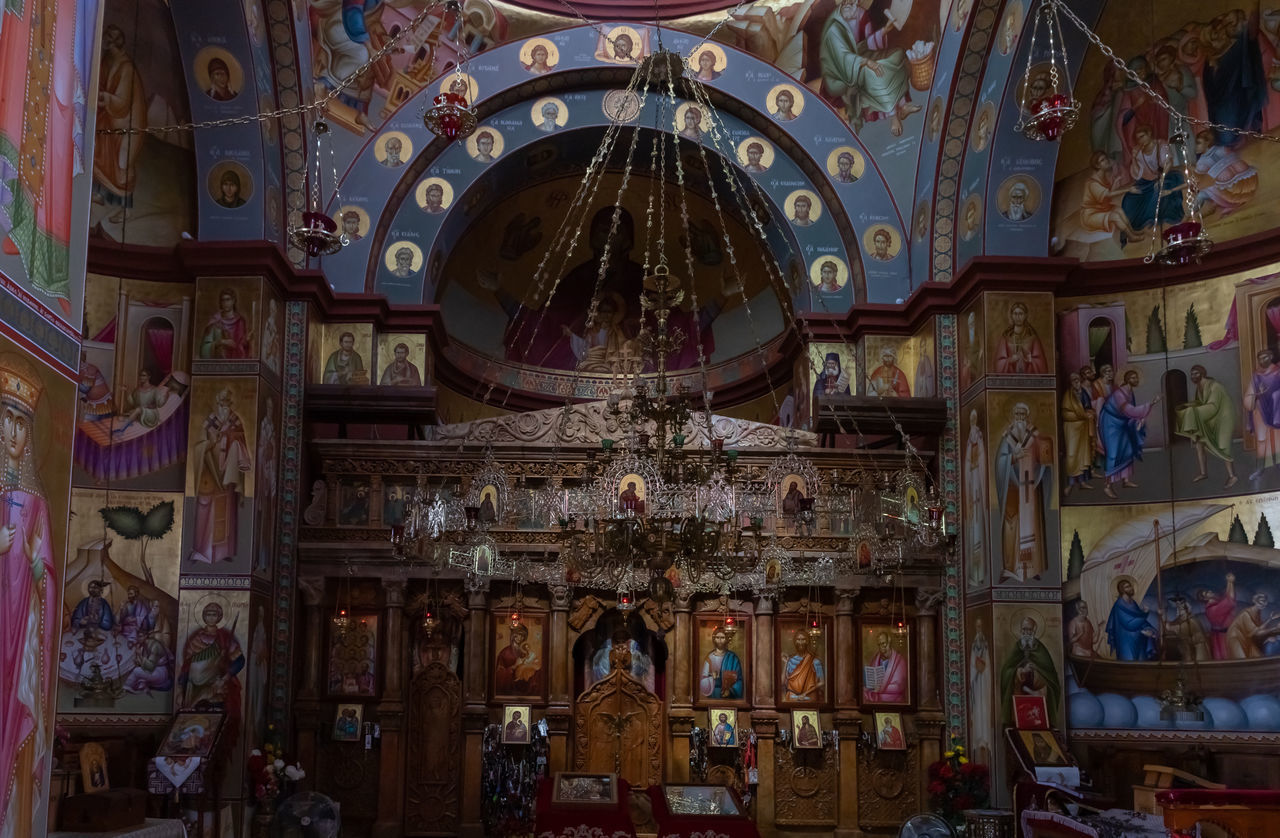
(1185, 737)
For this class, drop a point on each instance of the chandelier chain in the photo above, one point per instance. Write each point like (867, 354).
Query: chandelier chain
(704, 101)
(1146, 88)
(696, 324)
(571, 231)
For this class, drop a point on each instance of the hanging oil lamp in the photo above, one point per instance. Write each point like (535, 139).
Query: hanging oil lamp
(342, 607)
(450, 115)
(1181, 240)
(1048, 110)
(516, 609)
(626, 599)
(318, 233)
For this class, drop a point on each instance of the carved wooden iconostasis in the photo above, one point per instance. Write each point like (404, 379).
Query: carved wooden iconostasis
(619, 689)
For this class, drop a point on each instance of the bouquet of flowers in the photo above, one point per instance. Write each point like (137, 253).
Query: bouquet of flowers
(955, 784)
(268, 769)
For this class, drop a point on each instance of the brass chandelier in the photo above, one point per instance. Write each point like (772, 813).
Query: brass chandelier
(665, 502)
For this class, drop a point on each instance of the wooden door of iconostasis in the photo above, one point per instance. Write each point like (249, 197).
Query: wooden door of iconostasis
(618, 717)
(433, 773)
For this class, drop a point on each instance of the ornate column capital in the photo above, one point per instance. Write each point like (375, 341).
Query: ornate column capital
(766, 604)
(477, 590)
(684, 599)
(847, 600)
(561, 597)
(312, 590)
(928, 600)
(395, 592)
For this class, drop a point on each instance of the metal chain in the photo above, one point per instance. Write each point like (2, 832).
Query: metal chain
(1160, 100)
(319, 105)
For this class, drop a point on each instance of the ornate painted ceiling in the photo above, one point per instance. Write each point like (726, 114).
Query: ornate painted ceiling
(908, 151)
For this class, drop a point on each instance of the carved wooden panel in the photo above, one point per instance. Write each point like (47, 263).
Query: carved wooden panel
(887, 788)
(805, 786)
(434, 754)
(349, 774)
(618, 726)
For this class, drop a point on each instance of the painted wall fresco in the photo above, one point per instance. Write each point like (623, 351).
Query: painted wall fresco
(515, 135)
(1019, 338)
(1023, 452)
(897, 367)
(1167, 591)
(220, 475)
(228, 324)
(36, 495)
(976, 495)
(981, 688)
(341, 42)
(346, 354)
(536, 326)
(1176, 383)
(131, 422)
(143, 184)
(1166, 406)
(1209, 63)
(212, 659)
(403, 360)
(46, 151)
(267, 463)
(120, 603)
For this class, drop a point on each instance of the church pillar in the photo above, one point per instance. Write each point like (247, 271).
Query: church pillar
(307, 708)
(558, 708)
(680, 652)
(765, 665)
(475, 713)
(847, 720)
(927, 600)
(849, 724)
(561, 654)
(845, 666)
(765, 725)
(477, 641)
(391, 714)
(680, 716)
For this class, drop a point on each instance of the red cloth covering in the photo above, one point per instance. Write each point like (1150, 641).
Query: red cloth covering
(559, 820)
(683, 826)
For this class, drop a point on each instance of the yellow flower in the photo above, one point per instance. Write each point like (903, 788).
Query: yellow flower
(963, 761)
(949, 754)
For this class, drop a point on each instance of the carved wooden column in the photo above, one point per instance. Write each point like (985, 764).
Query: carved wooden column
(845, 667)
(391, 715)
(558, 708)
(680, 651)
(765, 725)
(849, 724)
(927, 600)
(309, 724)
(847, 719)
(680, 718)
(766, 665)
(475, 713)
(474, 688)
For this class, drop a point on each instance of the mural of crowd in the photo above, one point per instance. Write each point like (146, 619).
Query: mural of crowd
(1221, 69)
